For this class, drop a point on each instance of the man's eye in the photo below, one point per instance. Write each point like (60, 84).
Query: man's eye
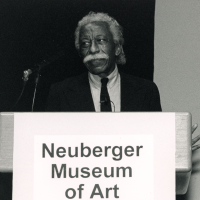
(85, 44)
(102, 41)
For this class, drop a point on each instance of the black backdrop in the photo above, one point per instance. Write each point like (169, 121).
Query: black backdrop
(35, 30)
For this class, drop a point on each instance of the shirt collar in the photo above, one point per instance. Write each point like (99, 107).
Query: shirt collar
(95, 80)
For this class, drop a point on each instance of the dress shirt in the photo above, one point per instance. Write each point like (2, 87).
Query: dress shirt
(114, 90)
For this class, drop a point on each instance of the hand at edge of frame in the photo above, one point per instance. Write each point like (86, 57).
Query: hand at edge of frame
(196, 139)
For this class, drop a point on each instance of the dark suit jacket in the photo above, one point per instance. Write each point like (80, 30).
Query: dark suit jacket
(74, 94)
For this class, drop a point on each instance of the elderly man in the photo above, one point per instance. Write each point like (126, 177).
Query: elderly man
(99, 40)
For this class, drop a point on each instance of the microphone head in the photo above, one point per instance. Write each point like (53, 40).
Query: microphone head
(26, 74)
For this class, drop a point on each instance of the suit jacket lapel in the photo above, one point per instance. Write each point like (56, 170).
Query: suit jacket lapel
(85, 94)
(79, 95)
(129, 98)
(124, 93)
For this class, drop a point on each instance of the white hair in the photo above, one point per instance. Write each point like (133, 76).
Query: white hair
(115, 29)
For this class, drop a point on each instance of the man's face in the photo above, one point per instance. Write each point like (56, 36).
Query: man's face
(97, 48)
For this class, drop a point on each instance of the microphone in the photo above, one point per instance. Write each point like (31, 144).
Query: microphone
(26, 74)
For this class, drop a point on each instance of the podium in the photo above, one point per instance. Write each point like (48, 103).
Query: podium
(183, 165)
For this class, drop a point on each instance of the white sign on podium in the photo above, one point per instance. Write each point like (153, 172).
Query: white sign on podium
(94, 156)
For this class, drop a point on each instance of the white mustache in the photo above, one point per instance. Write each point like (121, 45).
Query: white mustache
(95, 56)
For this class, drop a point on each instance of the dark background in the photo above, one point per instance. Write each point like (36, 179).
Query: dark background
(35, 30)
(32, 31)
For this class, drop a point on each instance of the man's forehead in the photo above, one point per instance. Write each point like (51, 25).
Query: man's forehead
(100, 27)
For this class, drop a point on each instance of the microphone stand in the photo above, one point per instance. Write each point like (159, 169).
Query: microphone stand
(36, 84)
(41, 67)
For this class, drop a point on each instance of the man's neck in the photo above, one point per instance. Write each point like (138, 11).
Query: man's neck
(96, 79)
(106, 74)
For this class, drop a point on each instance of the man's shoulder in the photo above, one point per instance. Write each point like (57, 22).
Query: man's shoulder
(137, 82)
(140, 94)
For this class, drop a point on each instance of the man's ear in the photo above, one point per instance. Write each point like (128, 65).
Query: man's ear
(118, 49)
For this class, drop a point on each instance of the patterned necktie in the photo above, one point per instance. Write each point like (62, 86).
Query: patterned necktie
(104, 96)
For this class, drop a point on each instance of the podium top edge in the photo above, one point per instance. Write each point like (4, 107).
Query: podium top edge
(12, 113)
